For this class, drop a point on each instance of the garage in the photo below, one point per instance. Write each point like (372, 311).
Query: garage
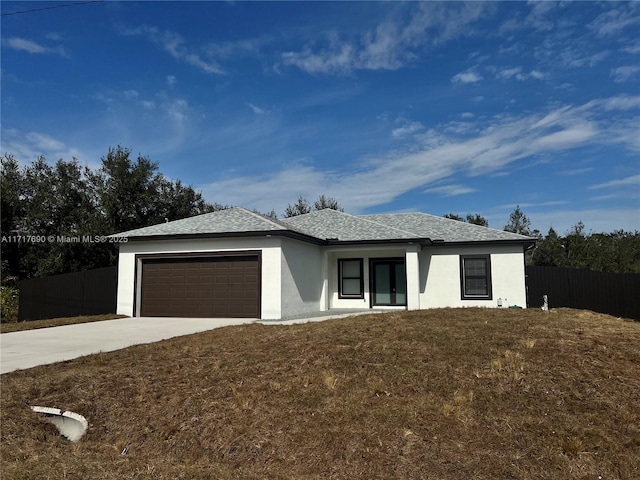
(214, 286)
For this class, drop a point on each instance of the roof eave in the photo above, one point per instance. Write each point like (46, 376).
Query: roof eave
(420, 241)
(467, 243)
(258, 233)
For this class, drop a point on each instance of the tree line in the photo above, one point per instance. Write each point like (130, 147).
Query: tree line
(614, 252)
(128, 192)
(43, 204)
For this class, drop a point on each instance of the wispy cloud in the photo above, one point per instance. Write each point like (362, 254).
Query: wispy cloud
(244, 47)
(508, 73)
(174, 44)
(632, 180)
(451, 190)
(614, 21)
(33, 47)
(28, 146)
(391, 45)
(257, 110)
(575, 171)
(466, 77)
(407, 128)
(624, 73)
(433, 156)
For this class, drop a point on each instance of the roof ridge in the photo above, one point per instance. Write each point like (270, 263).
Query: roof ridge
(262, 217)
(461, 223)
(386, 226)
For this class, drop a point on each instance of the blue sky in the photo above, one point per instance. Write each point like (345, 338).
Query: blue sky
(388, 107)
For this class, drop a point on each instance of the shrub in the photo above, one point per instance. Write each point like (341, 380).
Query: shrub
(9, 304)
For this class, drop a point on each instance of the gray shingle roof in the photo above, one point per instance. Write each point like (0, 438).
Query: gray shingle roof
(440, 228)
(232, 220)
(330, 225)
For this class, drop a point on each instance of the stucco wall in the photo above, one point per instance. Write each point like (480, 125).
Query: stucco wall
(366, 254)
(303, 273)
(271, 266)
(440, 276)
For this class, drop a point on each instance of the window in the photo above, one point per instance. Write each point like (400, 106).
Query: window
(475, 277)
(350, 278)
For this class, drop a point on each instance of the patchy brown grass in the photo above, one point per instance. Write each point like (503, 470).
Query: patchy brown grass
(454, 393)
(55, 322)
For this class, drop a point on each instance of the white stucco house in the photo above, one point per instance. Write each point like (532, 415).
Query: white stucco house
(237, 263)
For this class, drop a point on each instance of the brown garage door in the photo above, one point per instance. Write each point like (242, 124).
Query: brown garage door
(212, 287)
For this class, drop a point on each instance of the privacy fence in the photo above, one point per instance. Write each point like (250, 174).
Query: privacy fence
(90, 292)
(616, 294)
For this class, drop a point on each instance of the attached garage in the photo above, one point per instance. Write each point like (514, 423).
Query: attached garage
(211, 286)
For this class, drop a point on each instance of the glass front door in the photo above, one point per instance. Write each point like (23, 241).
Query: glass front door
(388, 282)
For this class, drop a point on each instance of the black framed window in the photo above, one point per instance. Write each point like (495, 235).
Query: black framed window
(475, 277)
(350, 278)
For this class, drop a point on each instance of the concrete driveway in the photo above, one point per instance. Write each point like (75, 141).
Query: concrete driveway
(20, 350)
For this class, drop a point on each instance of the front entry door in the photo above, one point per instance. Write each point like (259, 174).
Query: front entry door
(388, 282)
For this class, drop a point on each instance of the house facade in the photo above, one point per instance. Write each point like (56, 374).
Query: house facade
(237, 263)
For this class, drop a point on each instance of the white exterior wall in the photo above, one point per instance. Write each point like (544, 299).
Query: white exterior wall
(303, 273)
(440, 276)
(411, 257)
(299, 277)
(271, 302)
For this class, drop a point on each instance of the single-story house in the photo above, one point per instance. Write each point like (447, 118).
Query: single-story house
(238, 263)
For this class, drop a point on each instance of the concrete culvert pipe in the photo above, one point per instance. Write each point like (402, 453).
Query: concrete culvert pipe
(71, 425)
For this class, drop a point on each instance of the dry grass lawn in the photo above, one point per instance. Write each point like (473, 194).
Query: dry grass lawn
(439, 394)
(55, 322)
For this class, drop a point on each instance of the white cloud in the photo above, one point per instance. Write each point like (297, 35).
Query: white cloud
(257, 110)
(406, 129)
(508, 72)
(32, 47)
(618, 102)
(635, 48)
(632, 180)
(616, 20)
(517, 73)
(536, 74)
(171, 80)
(391, 44)
(540, 15)
(28, 146)
(575, 171)
(624, 73)
(467, 115)
(434, 156)
(451, 190)
(466, 77)
(237, 48)
(174, 44)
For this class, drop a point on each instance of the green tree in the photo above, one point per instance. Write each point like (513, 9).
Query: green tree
(549, 251)
(519, 223)
(302, 206)
(68, 201)
(127, 191)
(326, 202)
(12, 215)
(475, 219)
